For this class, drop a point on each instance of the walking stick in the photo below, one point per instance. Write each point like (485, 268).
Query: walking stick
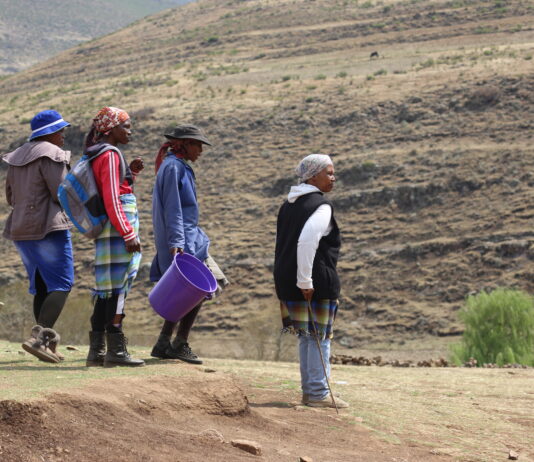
(316, 335)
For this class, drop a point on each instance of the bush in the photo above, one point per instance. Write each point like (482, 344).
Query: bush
(499, 329)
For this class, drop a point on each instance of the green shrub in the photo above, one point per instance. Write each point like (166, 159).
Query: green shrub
(499, 329)
(428, 63)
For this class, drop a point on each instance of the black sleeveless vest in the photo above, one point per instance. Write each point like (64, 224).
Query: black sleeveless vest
(291, 220)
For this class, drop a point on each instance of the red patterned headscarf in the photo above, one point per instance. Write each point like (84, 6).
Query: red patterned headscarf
(109, 118)
(106, 120)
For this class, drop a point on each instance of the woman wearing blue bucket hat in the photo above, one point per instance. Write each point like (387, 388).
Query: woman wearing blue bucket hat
(176, 230)
(39, 228)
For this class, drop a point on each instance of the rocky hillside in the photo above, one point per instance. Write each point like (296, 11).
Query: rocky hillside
(432, 143)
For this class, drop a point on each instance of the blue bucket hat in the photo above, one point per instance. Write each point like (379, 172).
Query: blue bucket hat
(46, 123)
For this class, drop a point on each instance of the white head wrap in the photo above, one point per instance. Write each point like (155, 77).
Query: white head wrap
(311, 165)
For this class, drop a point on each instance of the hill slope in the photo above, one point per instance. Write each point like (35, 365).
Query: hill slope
(432, 145)
(30, 34)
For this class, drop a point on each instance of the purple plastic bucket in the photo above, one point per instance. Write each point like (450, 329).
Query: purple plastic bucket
(183, 286)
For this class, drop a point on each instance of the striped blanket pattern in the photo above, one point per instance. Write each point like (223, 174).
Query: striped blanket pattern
(115, 268)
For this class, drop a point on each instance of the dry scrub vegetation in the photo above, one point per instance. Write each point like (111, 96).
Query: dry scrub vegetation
(432, 143)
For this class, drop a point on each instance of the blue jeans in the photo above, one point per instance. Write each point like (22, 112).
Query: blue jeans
(312, 375)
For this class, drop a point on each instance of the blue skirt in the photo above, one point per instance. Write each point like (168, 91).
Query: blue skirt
(52, 257)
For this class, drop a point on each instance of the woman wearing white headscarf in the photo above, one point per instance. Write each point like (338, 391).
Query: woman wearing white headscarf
(307, 249)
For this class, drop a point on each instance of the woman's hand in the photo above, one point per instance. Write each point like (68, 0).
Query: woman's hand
(175, 250)
(307, 293)
(137, 165)
(133, 245)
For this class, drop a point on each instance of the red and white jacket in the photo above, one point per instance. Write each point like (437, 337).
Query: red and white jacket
(106, 170)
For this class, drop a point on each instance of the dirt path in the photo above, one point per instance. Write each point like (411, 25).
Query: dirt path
(184, 419)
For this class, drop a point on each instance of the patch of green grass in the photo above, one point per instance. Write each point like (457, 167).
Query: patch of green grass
(212, 40)
(200, 76)
(485, 30)
(427, 63)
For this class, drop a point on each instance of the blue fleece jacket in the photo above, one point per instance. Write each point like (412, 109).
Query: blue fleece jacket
(175, 215)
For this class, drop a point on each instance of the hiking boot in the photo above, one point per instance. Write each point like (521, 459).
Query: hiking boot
(38, 344)
(182, 351)
(327, 402)
(161, 346)
(305, 398)
(117, 354)
(97, 349)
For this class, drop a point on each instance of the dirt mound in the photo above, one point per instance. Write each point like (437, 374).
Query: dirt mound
(192, 418)
(117, 415)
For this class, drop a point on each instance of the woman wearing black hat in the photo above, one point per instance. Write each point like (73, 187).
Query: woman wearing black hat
(176, 230)
(39, 228)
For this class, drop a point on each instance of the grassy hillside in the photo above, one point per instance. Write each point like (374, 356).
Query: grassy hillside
(31, 32)
(432, 143)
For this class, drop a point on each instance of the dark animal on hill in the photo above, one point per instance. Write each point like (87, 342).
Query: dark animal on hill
(374, 54)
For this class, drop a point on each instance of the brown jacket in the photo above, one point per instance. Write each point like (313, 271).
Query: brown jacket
(34, 174)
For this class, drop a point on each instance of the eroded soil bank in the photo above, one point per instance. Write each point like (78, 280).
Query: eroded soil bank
(175, 419)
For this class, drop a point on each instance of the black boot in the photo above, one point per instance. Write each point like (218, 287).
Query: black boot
(97, 349)
(117, 354)
(161, 346)
(181, 350)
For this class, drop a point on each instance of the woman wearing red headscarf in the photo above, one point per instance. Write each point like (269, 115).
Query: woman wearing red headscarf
(117, 248)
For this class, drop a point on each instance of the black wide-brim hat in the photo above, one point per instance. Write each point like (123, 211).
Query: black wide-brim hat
(186, 131)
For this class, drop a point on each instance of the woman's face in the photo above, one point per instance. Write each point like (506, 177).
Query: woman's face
(324, 180)
(120, 134)
(193, 149)
(57, 138)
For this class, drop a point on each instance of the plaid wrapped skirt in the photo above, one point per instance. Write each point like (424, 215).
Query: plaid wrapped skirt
(296, 319)
(115, 268)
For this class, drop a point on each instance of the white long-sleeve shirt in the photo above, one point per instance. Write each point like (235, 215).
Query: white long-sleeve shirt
(317, 226)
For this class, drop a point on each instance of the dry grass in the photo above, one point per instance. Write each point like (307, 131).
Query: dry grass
(469, 414)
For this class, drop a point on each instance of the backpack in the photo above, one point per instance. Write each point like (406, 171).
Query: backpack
(79, 197)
